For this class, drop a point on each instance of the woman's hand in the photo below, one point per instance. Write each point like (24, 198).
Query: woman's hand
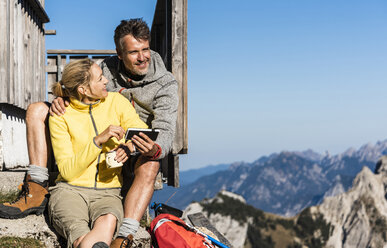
(145, 145)
(111, 131)
(58, 106)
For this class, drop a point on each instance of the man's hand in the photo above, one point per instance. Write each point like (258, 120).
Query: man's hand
(111, 131)
(58, 106)
(145, 145)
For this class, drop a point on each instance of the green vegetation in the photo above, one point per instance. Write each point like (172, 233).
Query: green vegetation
(238, 210)
(264, 230)
(14, 242)
(257, 239)
(295, 246)
(307, 226)
(287, 224)
(376, 220)
(8, 197)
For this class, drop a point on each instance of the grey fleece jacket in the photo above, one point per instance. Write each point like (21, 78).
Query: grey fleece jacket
(155, 96)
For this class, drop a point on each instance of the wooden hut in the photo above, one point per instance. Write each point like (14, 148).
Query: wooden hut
(22, 74)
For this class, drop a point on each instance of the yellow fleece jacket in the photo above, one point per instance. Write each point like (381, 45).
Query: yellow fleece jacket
(80, 161)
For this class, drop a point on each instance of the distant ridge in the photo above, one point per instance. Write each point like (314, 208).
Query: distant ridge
(356, 218)
(283, 183)
(189, 176)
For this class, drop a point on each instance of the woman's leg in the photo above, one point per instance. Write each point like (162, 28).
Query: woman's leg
(69, 212)
(103, 230)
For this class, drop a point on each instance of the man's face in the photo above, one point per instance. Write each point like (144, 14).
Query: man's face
(135, 54)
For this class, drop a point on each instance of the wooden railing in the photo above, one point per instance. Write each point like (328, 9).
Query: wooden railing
(57, 59)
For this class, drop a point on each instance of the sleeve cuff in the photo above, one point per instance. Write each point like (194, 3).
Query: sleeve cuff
(100, 147)
(157, 153)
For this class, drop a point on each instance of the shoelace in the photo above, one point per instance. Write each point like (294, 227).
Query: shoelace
(25, 191)
(125, 243)
(129, 243)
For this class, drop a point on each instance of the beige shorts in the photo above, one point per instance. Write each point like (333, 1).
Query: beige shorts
(73, 210)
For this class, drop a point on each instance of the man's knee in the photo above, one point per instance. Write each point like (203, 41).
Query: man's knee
(147, 170)
(37, 111)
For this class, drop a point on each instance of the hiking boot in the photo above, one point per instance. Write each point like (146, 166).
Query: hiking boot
(121, 242)
(32, 199)
(100, 245)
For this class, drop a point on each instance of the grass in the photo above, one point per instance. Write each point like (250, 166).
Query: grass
(8, 197)
(15, 242)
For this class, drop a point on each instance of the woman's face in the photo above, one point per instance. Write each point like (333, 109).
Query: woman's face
(97, 86)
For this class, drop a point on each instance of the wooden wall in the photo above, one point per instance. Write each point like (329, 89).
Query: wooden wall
(22, 52)
(169, 39)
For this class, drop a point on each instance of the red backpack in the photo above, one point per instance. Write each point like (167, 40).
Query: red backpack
(169, 231)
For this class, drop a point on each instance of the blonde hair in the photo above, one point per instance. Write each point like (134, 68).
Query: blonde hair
(75, 73)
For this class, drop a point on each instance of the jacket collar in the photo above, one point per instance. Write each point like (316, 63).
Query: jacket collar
(84, 106)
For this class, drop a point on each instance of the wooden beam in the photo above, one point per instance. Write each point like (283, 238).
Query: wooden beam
(38, 8)
(50, 32)
(179, 70)
(79, 51)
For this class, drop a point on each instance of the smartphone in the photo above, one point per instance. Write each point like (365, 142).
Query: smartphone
(151, 133)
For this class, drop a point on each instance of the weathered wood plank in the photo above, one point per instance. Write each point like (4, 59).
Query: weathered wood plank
(72, 58)
(11, 68)
(199, 220)
(68, 51)
(50, 32)
(4, 53)
(22, 59)
(24, 55)
(42, 72)
(51, 75)
(179, 70)
(176, 173)
(39, 10)
(169, 39)
(22, 68)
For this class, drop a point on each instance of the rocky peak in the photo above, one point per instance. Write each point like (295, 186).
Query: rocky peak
(233, 196)
(359, 216)
(381, 166)
(237, 165)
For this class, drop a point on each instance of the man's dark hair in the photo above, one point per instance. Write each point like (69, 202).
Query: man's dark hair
(135, 27)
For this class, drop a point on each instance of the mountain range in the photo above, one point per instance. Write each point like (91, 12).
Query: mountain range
(283, 183)
(356, 218)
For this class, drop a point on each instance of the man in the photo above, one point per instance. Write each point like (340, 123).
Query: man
(140, 75)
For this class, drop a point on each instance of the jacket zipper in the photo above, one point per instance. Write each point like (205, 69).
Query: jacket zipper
(99, 156)
(131, 96)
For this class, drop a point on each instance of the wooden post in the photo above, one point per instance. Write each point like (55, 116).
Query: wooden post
(4, 50)
(169, 39)
(179, 70)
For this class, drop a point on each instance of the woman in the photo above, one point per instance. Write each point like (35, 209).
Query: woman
(85, 206)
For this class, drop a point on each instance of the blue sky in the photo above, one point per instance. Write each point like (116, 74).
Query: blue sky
(263, 76)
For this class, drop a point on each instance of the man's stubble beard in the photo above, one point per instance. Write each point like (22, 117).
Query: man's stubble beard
(139, 73)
